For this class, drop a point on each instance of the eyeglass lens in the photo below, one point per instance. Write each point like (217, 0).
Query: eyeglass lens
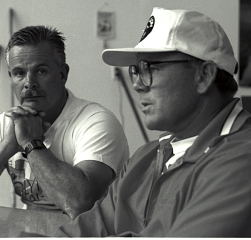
(141, 74)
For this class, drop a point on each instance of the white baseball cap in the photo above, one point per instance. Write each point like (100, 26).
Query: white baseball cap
(184, 31)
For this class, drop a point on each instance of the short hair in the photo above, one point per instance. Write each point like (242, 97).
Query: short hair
(226, 83)
(33, 35)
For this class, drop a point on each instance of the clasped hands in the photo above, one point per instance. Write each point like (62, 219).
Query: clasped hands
(27, 124)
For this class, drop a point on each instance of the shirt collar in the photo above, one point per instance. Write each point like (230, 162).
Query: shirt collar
(63, 115)
(182, 145)
(222, 124)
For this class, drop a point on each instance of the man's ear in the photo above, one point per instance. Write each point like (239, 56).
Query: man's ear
(205, 76)
(64, 71)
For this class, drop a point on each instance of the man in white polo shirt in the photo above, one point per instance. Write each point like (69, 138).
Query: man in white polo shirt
(61, 152)
(195, 181)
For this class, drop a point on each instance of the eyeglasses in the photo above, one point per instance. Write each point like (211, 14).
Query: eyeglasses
(143, 74)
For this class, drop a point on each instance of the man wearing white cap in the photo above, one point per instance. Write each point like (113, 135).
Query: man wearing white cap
(195, 181)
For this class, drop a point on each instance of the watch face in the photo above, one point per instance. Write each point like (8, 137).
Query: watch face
(28, 147)
(33, 144)
(37, 143)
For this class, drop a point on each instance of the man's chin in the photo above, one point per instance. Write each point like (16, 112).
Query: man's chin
(155, 124)
(32, 105)
(151, 125)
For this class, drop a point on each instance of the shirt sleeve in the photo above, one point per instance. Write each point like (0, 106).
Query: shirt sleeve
(100, 137)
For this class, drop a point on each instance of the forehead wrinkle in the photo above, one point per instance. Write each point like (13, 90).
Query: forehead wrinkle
(17, 62)
(27, 52)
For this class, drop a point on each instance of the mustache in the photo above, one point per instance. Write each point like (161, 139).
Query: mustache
(31, 93)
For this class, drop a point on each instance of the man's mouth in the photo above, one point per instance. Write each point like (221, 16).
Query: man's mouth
(145, 106)
(145, 103)
(31, 98)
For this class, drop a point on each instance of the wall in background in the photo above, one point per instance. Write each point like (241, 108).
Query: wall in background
(89, 77)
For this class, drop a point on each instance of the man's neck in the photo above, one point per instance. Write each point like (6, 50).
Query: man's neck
(201, 118)
(52, 114)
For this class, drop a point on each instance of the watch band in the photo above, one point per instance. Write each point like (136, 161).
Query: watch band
(33, 144)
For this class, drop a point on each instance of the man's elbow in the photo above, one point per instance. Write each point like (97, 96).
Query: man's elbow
(76, 206)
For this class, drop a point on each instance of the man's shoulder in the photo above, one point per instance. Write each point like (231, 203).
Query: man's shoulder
(242, 136)
(79, 108)
(228, 152)
(86, 106)
(145, 153)
(142, 159)
(92, 117)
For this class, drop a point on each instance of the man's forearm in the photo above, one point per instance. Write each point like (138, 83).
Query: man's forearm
(65, 185)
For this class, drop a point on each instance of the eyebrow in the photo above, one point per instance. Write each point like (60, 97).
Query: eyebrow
(42, 65)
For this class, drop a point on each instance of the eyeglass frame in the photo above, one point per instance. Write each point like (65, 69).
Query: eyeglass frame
(139, 76)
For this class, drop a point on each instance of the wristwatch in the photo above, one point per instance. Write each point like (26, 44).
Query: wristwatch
(33, 144)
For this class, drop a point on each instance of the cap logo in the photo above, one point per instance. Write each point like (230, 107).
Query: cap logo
(149, 28)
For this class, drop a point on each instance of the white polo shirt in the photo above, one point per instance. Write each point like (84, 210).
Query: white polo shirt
(83, 131)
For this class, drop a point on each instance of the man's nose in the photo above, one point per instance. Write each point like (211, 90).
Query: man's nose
(30, 82)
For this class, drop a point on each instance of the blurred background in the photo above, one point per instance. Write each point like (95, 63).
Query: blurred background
(89, 27)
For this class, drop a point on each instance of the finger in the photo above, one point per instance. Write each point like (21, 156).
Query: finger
(13, 115)
(29, 110)
(18, 110)
(41, 114)
(7, 114)
(19, 113)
